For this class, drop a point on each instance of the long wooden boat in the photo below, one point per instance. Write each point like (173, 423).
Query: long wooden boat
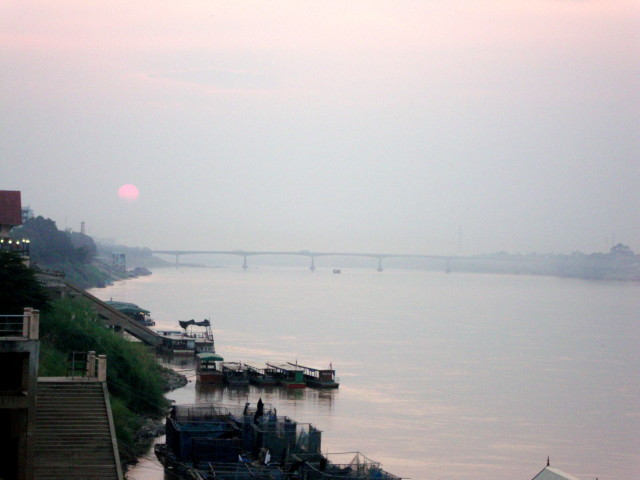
(235, 374)
(319, 378)
(207, 370)
(176, 342)
(262, 376)
(188, 341)
(289, 375)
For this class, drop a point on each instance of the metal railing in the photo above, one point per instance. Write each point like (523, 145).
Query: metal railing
(20, 327)
(87, 365)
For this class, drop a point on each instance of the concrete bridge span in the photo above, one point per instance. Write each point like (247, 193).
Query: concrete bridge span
(305, 253)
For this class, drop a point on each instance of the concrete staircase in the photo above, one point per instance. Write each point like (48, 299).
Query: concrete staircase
(74, 432)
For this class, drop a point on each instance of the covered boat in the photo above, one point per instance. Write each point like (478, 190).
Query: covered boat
(289, 375)
(188, 341)
(207, 370)
(319, 378)
(235, 374)
(203, 338)
(133, 311)
(262, 376)
(176, 342)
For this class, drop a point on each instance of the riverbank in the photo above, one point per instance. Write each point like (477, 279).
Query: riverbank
(152, 427)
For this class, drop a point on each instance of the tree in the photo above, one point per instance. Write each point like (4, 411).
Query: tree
(18, 286)
(621, 250)
(85, 248)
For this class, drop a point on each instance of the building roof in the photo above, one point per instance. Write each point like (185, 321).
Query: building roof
(550, 473)
(10, 208)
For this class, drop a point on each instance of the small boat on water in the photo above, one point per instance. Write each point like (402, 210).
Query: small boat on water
(289, 375)
(262, 376)
(207, 370)
(318, 378)
(235, 374)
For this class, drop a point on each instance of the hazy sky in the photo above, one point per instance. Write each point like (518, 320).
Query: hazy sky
(379, 126)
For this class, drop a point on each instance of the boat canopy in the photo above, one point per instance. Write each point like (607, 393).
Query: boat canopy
(287, 367)
(209, 357)
(127, 307)
(311, 369)
(185, 323)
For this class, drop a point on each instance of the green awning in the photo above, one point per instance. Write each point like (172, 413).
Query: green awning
(209, 357)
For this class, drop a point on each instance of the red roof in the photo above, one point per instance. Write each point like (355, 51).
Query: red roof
(10, 208)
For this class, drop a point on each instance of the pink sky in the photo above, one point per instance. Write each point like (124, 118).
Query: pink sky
(466, 110)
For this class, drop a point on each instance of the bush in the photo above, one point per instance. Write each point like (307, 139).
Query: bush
(18, 286)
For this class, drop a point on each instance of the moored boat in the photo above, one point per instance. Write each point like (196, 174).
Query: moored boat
(188, 341)
(203, 339)
(235, 374)
(263, 376)
(176, 342)
(207, 370)
(289, 375)
(133, 311)
(319, 378)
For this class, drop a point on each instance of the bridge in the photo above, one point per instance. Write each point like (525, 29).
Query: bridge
(311, 255)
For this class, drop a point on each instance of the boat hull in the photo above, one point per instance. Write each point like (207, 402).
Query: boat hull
(285, 384)
(216, 378)
(319, 384)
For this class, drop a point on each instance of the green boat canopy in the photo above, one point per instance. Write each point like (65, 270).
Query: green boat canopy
(209, 357)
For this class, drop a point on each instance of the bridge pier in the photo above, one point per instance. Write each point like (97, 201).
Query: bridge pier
(312, 267)
(379, 264)
(177, 261)
(244, 265)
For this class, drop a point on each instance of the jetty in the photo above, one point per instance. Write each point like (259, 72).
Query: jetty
(111, 316)
(229, 442)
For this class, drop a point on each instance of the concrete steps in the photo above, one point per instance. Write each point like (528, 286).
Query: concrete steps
(73, 434)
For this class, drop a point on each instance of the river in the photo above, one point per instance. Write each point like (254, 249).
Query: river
(443, 376)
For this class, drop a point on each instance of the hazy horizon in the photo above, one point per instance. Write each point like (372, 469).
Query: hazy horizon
(414, 127)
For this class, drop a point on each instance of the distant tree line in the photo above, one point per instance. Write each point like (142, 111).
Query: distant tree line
(71, 253)
(50, 246)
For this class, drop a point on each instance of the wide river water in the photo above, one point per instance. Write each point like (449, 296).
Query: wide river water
(443, 376)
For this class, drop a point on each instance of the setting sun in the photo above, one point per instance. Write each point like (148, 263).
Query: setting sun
(128, 192)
